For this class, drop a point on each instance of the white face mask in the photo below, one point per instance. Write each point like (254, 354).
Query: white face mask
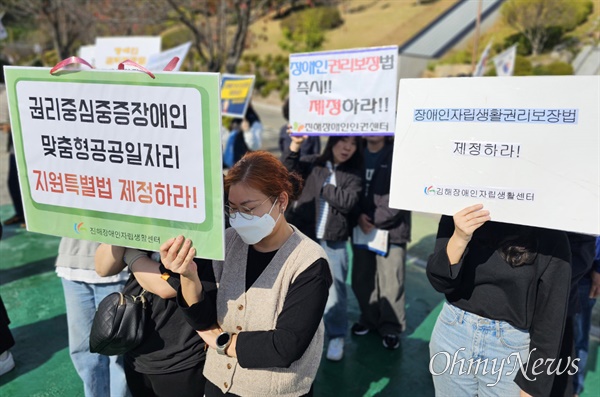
(254, 230)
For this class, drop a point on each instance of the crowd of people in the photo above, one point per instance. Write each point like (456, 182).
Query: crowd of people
(256, 323)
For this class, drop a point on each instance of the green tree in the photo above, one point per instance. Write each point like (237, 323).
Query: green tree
(532, 18)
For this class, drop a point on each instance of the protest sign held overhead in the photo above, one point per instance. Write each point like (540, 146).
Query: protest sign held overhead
(347, 92)
(236, 93)
(111, 51)
(528, 154)
(119, 157)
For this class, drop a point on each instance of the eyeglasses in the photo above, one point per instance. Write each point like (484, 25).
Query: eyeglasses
(245, 212)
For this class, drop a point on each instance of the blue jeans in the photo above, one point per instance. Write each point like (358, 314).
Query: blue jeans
(101, 375)
(336, 317)
(472, 355)
(582, 324)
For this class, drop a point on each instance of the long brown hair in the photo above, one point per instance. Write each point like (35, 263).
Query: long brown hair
(516, 244)
(264, 172)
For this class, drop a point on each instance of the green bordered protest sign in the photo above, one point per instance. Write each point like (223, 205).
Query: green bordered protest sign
(118, 157)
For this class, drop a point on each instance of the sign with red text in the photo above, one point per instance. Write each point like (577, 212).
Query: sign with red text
(111, 51)
(527, 148)
(119, 157)
(347, 92)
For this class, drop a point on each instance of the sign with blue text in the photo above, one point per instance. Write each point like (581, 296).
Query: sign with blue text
(527, 148)
(346, 92)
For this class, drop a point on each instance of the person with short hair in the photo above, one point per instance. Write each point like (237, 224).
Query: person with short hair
(261, 314)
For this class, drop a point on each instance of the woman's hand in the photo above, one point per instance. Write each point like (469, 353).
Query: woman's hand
(468, 220)
(209, 337)
(296, 140)
(177, 254)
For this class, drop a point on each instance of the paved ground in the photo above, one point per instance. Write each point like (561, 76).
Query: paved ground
(34, 299)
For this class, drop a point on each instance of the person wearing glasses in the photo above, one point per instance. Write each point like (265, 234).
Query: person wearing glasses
(261, 314)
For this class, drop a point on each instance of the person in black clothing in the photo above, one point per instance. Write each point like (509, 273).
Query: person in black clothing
(170, 359)
(378, 278)
(583, 249)
(311, 145)
(261, 312)
(324, 213)
(507, 289)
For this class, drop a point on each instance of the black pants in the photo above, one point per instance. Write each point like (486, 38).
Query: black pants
(13, 186)
(186, 383)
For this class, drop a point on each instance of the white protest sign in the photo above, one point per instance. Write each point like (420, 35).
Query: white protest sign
(527, 148)
(88, 53)
(119, 157)
(347, 92)
(157, 62)
(111, 51)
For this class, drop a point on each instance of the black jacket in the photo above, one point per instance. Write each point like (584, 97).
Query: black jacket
(342, 198)
(375, 200)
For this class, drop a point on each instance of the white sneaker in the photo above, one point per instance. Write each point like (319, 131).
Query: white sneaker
(7, 362)
(335, 350)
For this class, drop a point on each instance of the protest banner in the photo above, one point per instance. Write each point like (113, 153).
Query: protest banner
(118, 157)
(236, 93)
(480, 68)
(505, 62)
(527, 148)
(88, 52)
(347, 92)
(111, 51)
(157, 62)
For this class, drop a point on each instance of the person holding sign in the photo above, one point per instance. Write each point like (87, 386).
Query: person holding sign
(507, 287)
(379, 247)
(262, 315)
(170, 359)
(323, 211)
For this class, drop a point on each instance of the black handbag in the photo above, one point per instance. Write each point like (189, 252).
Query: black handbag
(119, 323)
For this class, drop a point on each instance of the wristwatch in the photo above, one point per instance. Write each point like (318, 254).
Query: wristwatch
(223, 342)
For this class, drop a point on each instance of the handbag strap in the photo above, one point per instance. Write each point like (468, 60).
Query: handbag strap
(141, 298)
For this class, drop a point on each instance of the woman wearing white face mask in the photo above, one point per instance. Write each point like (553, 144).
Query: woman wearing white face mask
(261, 315)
